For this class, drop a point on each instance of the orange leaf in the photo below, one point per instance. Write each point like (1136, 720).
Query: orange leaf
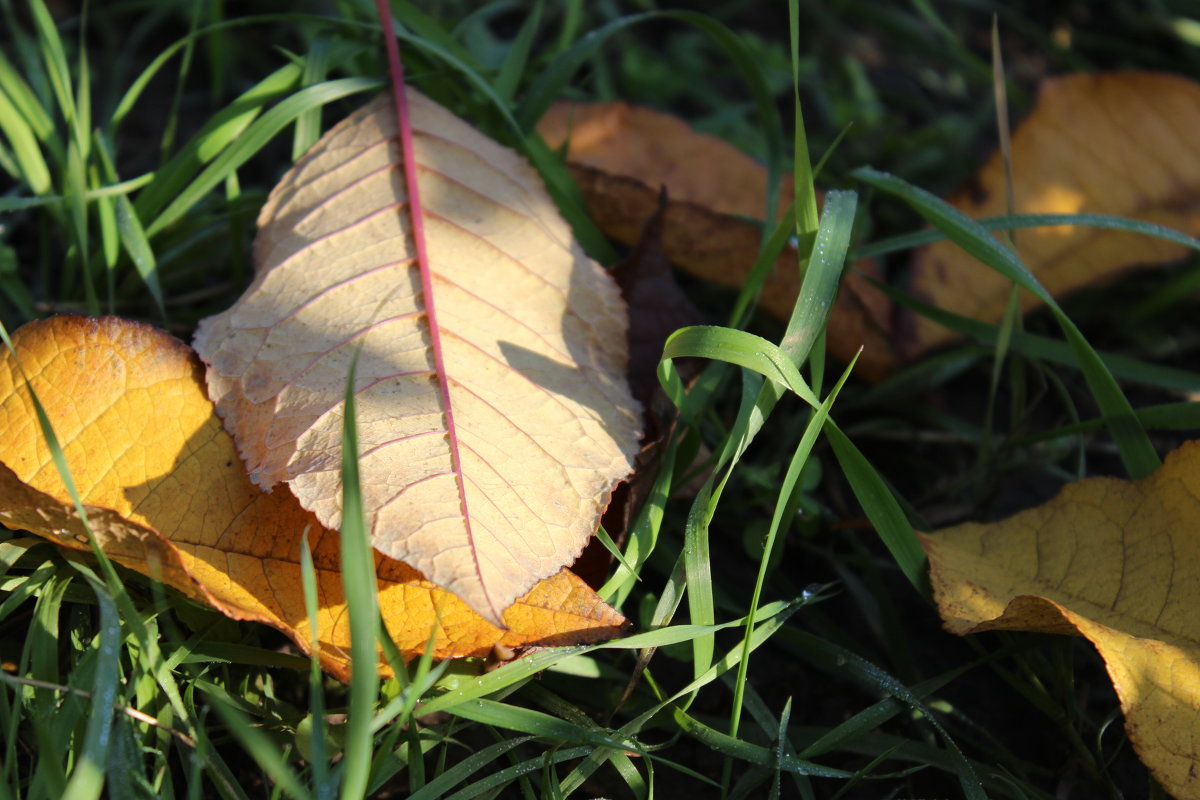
(1117, 562)
(622, 155)
(168, 496)
(492, 431)
(1122, 144)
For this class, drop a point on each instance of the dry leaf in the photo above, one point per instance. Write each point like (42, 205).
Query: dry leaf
(168, 497)
(507, 485)
(621, 156)
(1123, 144)
(1117, 562)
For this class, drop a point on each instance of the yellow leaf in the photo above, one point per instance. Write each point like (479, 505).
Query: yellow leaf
(1117, 562)
(493, 430)
(168, 496)
(1122, 144)
(621, 155)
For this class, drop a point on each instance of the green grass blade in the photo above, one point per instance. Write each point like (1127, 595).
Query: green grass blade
(87, 779)
(785, 509)
(1014, 222)
(1045, 349)
(466, 768)
(25, 150)
(362, 602)
(1135, 448)
(252, 140)
(517, 58)
(222, 129)
(308, 124)
(318, 756)
(256, 744)
(881, 509)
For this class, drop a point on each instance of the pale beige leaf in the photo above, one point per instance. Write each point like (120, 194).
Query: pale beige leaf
(532, 334)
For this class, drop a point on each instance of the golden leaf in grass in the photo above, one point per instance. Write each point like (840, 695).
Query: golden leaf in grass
(1117, 562)
(167, 495)
(1119, 143)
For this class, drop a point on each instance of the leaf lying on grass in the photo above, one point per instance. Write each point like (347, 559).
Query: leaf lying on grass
(169, 497)
(494, 416)
(1121, 144)
(622, 155)
(1117, 562)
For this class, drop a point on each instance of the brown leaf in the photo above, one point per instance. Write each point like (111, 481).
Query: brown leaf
(657, 306)
(168, 496)
(1123, 144)
(621, 156)
(1117, 562)
(504, 486)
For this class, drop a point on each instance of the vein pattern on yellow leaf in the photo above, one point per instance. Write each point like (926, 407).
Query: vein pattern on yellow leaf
(622, 155)
(1117, 562)
(168, 496)
(506, 485)
(1121, 144)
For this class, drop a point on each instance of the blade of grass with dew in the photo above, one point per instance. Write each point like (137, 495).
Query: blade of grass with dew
(507, 775)
(1137, 453)
(253, 139)
(852, 664)
(87, 778)
(786, 501)
(528, 666)
(745, 751)
(362, 603)
(466, 768)
(538, 723)
(768, 627)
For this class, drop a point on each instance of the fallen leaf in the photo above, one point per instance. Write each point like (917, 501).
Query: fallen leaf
(168, 497)
(1117, 562)
(527, 343)
(1119, 143)
(622, 155)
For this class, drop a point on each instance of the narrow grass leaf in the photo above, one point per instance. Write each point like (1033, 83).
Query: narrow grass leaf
(506, 776)
(517, 57)
(308, 124)
(359, 584)
(253, 139)
(221, 129)
(466, 768)
(318, 757)
(87, 779)
(1046, 349)
(257, 744)
(537, 723)
(753, 753)
(1135, 448)
(25, 150)
(881, 509)
(785, 509)
(908, 241)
